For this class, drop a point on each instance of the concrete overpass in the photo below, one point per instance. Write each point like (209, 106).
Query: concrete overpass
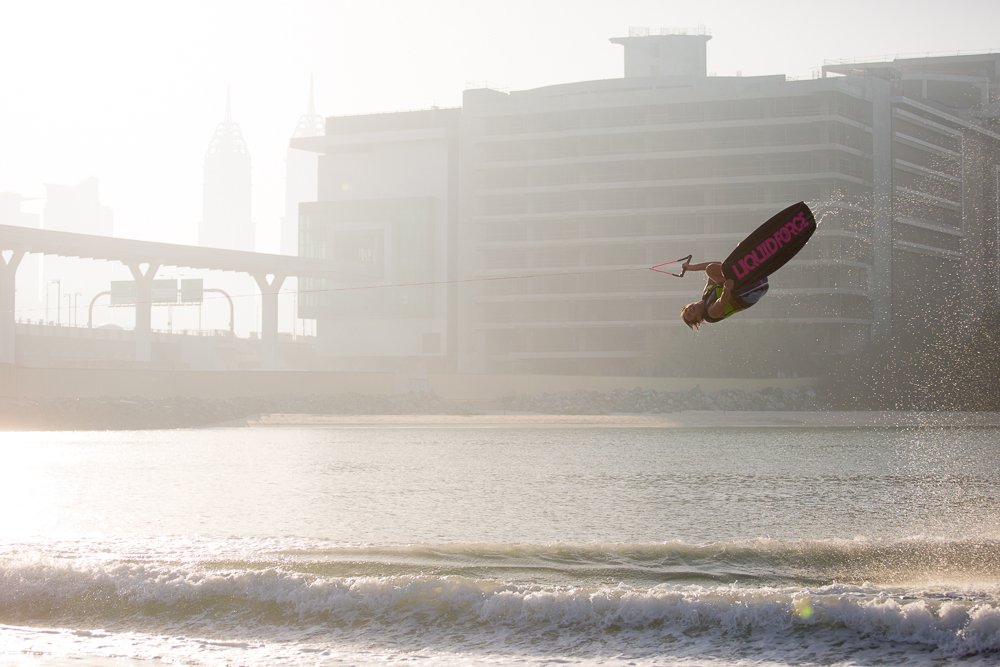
(144, 259)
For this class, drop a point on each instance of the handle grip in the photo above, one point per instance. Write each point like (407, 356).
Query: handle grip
(685, 260)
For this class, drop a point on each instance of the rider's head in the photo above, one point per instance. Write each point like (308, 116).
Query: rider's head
(693, 314)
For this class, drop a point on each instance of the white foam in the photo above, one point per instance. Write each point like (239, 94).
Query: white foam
(449, 610)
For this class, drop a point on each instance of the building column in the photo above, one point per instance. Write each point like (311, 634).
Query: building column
(270, 286)
(144, 309)
(880, 287)
(8, 322)
(975, 244)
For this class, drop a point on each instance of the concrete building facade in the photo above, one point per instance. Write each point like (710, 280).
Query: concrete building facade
(566, 194)
(936, 187)
(387, 201)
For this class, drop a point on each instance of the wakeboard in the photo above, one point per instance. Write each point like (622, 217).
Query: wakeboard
(770, 246)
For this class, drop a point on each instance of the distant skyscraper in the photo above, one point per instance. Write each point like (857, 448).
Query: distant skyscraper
(77, 208)
(226, 221)
(300, 175)
(11, 213)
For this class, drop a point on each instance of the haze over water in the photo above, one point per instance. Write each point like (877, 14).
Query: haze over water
(449, 545)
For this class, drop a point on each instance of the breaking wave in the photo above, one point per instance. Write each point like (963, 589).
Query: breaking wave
(575, 600)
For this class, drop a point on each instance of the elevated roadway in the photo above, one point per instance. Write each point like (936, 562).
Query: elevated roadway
(144, 259)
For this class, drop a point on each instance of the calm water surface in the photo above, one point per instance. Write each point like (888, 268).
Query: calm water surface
(448, 545)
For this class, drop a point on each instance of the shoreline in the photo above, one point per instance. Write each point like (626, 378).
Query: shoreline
(625, 409)
(683, 419)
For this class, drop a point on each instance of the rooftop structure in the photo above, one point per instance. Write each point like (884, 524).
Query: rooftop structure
(665, 54)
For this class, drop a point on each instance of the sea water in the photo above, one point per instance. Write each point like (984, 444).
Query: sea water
(484, 545)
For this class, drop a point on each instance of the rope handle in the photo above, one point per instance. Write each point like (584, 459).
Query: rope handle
(671, 273)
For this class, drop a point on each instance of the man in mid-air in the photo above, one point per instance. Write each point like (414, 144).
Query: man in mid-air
(719, 300)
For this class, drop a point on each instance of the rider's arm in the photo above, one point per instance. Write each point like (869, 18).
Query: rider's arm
(713, 269)
(718, 307)
(687, 266)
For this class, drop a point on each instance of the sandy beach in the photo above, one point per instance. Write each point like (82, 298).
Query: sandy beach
(692, 419)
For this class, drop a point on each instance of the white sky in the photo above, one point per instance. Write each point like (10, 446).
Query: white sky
(130, 91)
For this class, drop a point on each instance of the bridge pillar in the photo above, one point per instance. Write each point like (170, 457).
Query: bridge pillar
(143, 274)
(9, 260)
(270, 286)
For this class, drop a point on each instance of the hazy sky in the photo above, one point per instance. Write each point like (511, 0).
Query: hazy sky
(130, 91)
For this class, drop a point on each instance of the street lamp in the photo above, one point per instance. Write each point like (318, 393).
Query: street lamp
(71, 304)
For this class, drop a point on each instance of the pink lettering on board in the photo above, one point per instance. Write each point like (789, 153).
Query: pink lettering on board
(771, 245)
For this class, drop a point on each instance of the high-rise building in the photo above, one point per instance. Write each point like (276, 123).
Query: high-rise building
(387, 201)
(605, 176)
(69, 284)
(935, 178)
(580, 187)
(12, 211)
(77, 208)
(226, 220)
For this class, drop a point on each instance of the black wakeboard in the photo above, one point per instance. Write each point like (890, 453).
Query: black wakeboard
(770, 246)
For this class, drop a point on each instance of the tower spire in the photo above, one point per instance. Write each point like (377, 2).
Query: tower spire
(312, 97)
(228, 138)
(226, 219)
(311, 124)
